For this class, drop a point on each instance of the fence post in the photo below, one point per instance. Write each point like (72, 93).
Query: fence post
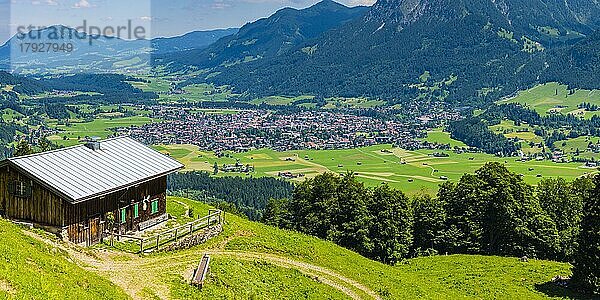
(157, 241)
(176, 234)
(141, 246)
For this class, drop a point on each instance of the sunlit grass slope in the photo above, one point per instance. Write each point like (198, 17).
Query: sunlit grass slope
(29, 269)
(439, 277)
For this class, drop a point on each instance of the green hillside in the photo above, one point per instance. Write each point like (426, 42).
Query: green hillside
(30, 269)
(554, 98)
(254, 261)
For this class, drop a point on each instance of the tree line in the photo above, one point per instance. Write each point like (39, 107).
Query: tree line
(249, 195)
(7, 135)
(552, 127)
(490, 212)
(474, 132)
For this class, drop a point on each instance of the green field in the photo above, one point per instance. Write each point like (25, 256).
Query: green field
(30, 269)
(525, 134)
(571, 146)
(352, 103)
(440, 137)
(192, 93)
(410, 171)
(105, 109)
(250, 260)
(254, 280)
(97, 128)
(9, 115)
(253, 261)
(554, 98)
(196, 93)
(278, 100)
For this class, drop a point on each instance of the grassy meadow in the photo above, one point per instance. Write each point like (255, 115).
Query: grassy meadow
(441, 137)
(250, 260)
(98, 127)
(254, 261)
(410, 171)
(279, 100)
(9, 115)
(256, 279)
(554, 98)
(195, 93)
(441, 277)
(30, 269)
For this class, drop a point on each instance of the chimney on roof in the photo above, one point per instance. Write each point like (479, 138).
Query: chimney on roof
(93, 143)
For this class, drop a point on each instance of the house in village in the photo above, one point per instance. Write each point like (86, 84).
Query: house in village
(74, 191)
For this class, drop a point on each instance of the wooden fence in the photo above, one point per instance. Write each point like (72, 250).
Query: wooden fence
(172, 235)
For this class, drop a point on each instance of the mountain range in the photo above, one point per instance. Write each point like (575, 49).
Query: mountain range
(95, 53)
(462, 51)
(190, 41)
(269, 37)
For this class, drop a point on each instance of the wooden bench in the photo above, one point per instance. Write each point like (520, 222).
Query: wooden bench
(200, 273)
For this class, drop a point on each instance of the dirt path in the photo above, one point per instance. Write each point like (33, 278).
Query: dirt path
(136, 274)
(185, 205)
(123, 269)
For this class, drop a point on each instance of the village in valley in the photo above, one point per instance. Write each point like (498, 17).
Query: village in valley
(273, 140)
(244, 130)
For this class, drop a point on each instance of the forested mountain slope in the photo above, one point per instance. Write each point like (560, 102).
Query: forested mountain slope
(269, 37)
(578, 65)
(189, 41)
(465, 51)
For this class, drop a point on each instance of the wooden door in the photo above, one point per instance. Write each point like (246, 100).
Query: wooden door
(95, 230)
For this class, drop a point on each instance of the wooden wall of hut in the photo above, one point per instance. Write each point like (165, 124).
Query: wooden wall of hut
(40, 205)
(86, 220)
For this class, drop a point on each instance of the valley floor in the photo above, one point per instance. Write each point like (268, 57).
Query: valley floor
(254, 261)
(410, 171)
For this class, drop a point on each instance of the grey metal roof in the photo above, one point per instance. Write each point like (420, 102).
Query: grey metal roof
(79, 173)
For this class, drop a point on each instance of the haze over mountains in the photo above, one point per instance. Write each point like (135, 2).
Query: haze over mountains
(190, 41)
(98, 53)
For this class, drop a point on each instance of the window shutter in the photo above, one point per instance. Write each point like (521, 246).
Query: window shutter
(136, 212)
(28, 190)
(154, 206)
(123, 216)
(20, 189)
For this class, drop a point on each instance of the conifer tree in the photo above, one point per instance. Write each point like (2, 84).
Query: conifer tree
(586, 268)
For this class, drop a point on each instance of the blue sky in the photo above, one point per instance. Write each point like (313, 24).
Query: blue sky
(159, 17)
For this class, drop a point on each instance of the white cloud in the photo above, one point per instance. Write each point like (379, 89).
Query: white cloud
(83, 4)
